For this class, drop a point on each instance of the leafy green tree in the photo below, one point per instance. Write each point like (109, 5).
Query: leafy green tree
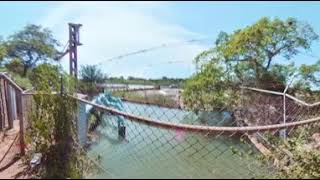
(3, 51)
(46, 77)
(15, 66)
(310, 76)
(248, 56)
(32, 45)
(90, 76)
(207, 90)
(252, 50)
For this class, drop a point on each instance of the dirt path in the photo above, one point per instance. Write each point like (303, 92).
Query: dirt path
(11, 165)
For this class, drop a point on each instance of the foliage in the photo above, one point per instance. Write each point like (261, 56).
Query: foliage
(309, 76)
(15, 65)
(51, 126)
(305, 164)
(90, 75)
(299, 159)
(46, 77)
(248, 57)
(31, 45)
(23, 82)
(3, 51)
(207, 90)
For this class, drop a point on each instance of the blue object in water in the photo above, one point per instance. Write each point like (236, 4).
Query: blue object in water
(108, 100)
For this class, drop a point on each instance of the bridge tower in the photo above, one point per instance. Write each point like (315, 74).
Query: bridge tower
(74, 42)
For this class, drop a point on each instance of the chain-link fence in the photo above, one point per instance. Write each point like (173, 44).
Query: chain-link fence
(143, 139)
(130, 137)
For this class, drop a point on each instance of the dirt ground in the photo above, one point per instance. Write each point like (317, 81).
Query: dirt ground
(11, 167)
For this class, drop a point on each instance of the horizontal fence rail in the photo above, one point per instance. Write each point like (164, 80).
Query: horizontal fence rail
(197, 128)
(145, 140)
(283, 94)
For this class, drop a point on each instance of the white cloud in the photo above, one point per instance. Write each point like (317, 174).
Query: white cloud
(114, 28)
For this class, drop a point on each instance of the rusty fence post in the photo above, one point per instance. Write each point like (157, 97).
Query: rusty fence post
(20, 108)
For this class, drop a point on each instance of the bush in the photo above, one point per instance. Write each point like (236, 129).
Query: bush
(52, 129)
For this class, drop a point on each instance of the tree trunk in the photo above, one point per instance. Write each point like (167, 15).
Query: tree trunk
(269, 63)
(25, 70)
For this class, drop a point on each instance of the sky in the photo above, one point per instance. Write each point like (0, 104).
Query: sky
(111, 29)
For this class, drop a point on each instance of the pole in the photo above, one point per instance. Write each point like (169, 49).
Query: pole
(285, 106)
(20, 110)
(284, 114)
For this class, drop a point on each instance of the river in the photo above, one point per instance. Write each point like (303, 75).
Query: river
(151, 152)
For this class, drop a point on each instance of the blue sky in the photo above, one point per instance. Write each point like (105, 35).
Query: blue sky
(114, 28)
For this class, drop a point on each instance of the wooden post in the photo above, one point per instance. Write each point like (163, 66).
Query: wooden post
(1, 109)
(9, 103)
(20, 109)
(3, 104)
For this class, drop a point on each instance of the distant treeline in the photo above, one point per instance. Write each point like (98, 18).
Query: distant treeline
(164, 81)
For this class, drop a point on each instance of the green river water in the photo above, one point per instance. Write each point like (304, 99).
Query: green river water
(151, 152)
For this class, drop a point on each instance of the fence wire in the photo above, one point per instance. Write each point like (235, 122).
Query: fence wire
(128, 148)
(148, 138)
(153, 152)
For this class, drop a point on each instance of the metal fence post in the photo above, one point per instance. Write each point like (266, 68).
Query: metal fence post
(284, 104)
(284, 114)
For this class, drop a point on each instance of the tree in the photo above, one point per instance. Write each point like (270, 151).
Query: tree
(3, 51)
(32, 45)
(91, 75)
(164, 78)
(207, 90)
(46, 77)
(310, 76)
(248, 56)
(252, 50)
(15, 66)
